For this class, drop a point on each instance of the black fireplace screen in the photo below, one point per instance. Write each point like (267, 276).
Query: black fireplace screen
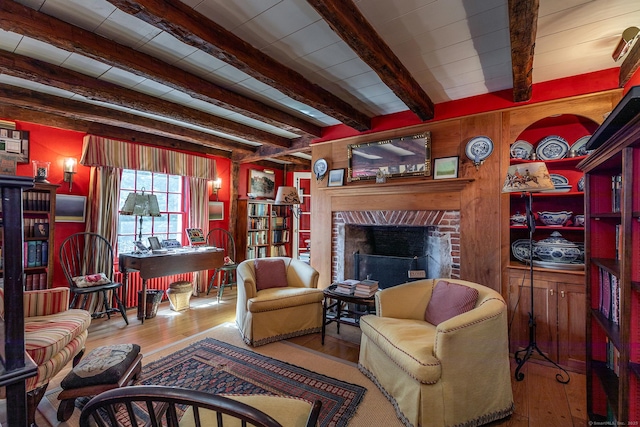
(389, 270)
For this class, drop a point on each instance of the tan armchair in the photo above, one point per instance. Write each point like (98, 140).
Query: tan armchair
(291, 309)
(453, 373)
(54, 335)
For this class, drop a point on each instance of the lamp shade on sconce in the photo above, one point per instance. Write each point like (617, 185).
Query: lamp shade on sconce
(287, 196)
(527, 177)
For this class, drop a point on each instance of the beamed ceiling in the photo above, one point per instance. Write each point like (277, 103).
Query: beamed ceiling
(259, 80)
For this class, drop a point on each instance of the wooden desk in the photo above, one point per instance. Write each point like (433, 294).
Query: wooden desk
(151, 266)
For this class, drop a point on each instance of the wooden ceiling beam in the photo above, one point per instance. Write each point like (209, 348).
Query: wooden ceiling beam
(351, 26)
(195, 29)
(51, 75)
(107, 131)
(629, 65)
(82, 111)
(523, 26)
(25, 21)
(266, 152)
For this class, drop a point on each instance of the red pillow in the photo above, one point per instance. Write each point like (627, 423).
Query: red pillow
(448, 300)
(270, 273)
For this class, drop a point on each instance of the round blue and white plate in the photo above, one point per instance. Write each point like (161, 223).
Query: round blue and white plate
(520, 249)
(521, 149)
(479, 148)
(580, 146)
(552, 148)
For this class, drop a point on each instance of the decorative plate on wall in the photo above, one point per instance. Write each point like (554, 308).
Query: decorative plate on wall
(479, 148)
(580, 146)
(552, 148)
(320, 168)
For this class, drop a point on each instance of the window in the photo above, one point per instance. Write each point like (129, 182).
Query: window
(169, 191)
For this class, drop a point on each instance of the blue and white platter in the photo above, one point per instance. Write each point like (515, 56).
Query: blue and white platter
(580, 146)
(479, 148)
(552, 148)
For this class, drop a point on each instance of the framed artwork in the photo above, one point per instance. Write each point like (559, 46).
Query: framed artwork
(445, 167)
(16, 143)
(70, 208)
(41, 229)
(261, 184)
(154, 242)
(216, 211)
(196, 236)
(336, 178)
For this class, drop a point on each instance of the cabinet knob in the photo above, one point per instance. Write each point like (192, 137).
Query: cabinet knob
(562, 294)
(551, 292)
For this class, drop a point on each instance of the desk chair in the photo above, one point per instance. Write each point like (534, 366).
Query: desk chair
(87, 263)
(221, 238)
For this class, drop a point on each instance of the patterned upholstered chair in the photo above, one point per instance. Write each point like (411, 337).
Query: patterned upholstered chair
(54, 335)
(278, 298)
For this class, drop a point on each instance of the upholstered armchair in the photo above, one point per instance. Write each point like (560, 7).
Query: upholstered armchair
(439, 352)
(278, 298)
(53, 336)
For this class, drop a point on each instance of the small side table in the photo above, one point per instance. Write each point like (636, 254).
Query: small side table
(340, 316)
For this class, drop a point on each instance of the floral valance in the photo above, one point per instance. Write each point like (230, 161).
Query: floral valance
(99, 151)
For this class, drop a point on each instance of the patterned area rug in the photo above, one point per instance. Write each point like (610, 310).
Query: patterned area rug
(217, 367)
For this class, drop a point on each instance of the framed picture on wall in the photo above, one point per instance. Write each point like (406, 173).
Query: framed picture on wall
(70, 208)
(261, 184)
(216, 211)
(336, 178)
(445, 167)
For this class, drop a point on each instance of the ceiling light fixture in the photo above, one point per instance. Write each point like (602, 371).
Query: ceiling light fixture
(626, 41)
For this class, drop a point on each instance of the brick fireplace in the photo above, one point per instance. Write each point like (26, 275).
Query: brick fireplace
(441, 228)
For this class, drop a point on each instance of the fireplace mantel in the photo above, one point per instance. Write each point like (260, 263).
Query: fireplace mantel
(398, 186)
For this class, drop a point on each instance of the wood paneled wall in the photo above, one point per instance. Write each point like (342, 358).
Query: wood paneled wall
(484, 210)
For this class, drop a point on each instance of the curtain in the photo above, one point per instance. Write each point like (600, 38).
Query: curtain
(99, 151)
(198, 208)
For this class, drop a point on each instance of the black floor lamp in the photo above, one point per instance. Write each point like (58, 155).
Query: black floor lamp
(527, 178)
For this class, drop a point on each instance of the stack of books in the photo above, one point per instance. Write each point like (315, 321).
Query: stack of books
(365, 288)
(346, 286)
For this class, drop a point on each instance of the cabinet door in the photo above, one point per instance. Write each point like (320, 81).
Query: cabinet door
(545, 310)
(571, 326)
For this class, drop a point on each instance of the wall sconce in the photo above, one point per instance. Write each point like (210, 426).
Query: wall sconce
(216, 185)
(69, 167)
(288, 196)
(626, 40)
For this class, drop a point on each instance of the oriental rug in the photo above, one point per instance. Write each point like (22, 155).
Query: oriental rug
(220, 368)
(373, 410)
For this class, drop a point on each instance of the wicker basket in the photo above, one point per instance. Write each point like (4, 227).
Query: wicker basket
(179, 294)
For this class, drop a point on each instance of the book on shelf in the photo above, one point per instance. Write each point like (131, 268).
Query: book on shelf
(609, 302)
(616, 190)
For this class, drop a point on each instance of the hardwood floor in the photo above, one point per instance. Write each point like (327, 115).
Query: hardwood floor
(540, 400)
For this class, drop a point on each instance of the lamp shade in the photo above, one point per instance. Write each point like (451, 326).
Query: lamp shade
(141, 205)
(527, 177)
(287, 196)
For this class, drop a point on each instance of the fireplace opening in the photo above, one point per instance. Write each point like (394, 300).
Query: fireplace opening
(389, 254)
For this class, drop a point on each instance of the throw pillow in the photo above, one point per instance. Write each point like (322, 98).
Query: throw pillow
(449, 300)
(91, 280)
(270, 273)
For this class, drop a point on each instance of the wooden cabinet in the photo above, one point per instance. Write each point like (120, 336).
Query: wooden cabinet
(15, 365)
(559, 300)
(264, 229)
(613, 265)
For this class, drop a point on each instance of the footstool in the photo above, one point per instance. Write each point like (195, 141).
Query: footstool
(104, 368)
(179, 294)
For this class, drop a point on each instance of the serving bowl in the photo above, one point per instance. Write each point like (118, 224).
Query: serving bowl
(558, 219)
(578, 220)
(518, 219)
(556, 248)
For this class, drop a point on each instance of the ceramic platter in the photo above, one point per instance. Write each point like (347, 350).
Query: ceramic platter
(560, 182)
(520, 249)
(552, 148)
(479, 148)
(558, 265)
(580, 146)
(521, 149)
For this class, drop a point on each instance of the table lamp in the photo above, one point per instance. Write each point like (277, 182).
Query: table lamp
(140, 204)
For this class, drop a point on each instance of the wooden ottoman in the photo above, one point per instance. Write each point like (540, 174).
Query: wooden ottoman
(104, 368)
(179, 294)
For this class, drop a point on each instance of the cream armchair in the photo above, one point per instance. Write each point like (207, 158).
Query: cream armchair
(292, 308)
(453, 373)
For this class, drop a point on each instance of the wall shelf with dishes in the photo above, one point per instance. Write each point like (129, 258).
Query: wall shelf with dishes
(560, 142)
